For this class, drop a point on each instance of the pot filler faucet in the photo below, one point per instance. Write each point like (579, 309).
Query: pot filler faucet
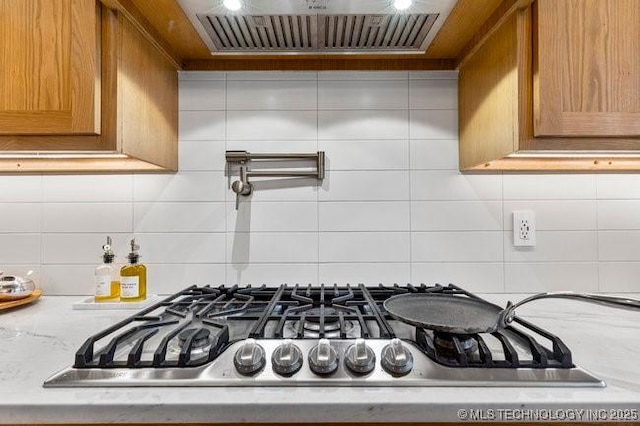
(243, 187)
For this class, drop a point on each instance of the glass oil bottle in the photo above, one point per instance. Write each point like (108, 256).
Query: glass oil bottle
(133, 277)
(107, 277)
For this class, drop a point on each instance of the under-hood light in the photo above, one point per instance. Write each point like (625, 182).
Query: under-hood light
(232, 5)
(402, 4)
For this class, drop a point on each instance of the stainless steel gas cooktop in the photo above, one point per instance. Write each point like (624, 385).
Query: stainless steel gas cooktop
(311, 336)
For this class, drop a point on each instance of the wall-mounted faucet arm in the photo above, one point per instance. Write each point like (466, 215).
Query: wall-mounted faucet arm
(244, 187)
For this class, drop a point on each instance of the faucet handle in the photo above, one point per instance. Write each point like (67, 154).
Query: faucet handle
(241, 188)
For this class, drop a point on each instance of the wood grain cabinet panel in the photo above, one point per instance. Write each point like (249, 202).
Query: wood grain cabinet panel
(147, 99)
(555, 87)
(57, 116)
(588, 68)
(49, 67)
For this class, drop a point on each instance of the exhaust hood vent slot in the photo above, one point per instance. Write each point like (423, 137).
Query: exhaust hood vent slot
(318, 33)
(259, 33)
(405, 32)
(317, 27)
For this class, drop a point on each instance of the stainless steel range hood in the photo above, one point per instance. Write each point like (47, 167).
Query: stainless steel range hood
(317, 26)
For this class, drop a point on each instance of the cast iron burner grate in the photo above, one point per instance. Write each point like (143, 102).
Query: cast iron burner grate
(172, 332)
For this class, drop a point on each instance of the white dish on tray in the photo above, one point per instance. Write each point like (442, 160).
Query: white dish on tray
(90, 304)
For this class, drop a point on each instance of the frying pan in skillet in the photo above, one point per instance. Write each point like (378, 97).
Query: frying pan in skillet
(449, 313)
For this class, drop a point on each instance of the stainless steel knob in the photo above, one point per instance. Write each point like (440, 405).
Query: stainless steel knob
(250, 358)
(396, 359)
(323, 359)
(360, 358)
(242, 188)
(286, 359)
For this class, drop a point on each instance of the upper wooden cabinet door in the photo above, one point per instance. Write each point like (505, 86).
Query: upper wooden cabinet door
(49, 67)
(587, 68)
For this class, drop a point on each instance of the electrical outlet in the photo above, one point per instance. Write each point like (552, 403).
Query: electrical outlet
(524, 228)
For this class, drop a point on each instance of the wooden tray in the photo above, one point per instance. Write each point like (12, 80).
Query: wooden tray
(15, 303)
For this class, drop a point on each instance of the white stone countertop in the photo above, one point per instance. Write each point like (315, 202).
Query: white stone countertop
(38, 340)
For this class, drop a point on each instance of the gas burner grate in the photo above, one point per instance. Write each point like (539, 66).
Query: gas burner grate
(193, 327)
(514, 342)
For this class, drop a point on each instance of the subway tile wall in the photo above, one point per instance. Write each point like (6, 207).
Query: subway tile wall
(392, 209)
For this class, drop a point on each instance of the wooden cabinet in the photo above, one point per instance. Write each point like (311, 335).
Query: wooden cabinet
(113, 107)
(50, 76)
(557, 86)
(588, 65)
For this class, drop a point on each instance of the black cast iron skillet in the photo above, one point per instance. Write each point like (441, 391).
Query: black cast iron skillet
(449, 313)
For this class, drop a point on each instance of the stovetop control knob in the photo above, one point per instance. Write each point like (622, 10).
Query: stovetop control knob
(323, 359)
(396, 359)
(360, 358)
(250, 358)
(286, 359)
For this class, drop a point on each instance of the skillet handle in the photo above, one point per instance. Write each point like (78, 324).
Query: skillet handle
(506, 316)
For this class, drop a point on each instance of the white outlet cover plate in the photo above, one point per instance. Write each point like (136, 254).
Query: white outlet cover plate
(524, 228)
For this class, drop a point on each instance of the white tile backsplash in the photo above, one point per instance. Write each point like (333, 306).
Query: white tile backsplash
(272, 217)
(82, 248)
(441, 185)
(474, 277)
(182, 247)
(550, 187)
(365, 273)
(20, 189)
(277, 95)
(433, 124)
(544, 277)
(365, 155)
(618, 186)
(365, 186)
(619, 277)
(201, 155)
(618, 214)
(169, 279)
(271, 75)
(364, 216)
(20, 217)
(364, 247)
(393, 207)
(271, 247)
(68, 279)
(433, 94)
(272, 125)
(363, 124)
(179, 217)
(433, 75)
(201, 75)
(472, 246)
(202, 95)
(456, 216)
(434, 154)
(87, 217)
(184, 187)
(362, 75)
(363, 94)
(557, 215)
(619, 246)
(99, 188)
(554, 246)
(201, 125)
(272, 274)
(20, 249)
